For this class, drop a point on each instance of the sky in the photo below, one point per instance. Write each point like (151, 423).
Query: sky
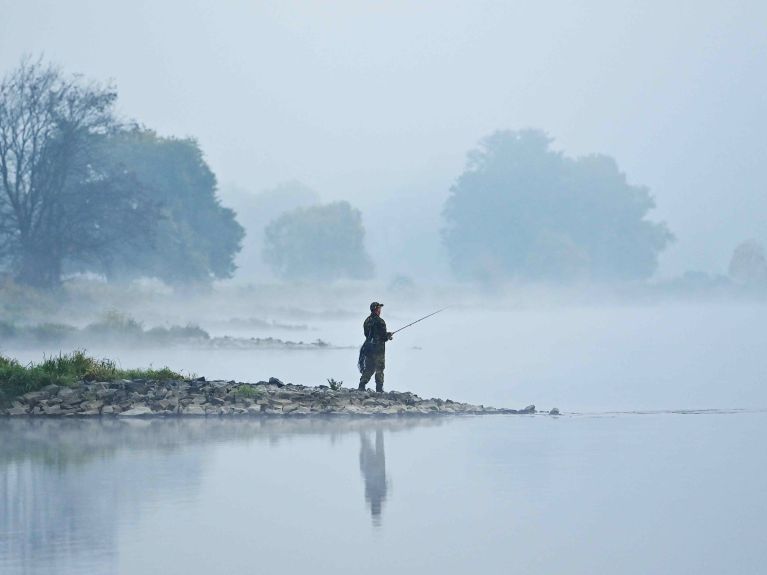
(378, 102)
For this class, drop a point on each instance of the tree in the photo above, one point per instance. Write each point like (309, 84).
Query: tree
(748, 265)
(197, 238)
(522, 210)
(322, 242)
(256, 210)
(57, 203)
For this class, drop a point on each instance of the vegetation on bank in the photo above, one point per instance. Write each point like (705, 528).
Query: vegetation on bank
(65, 370)
(112, 326)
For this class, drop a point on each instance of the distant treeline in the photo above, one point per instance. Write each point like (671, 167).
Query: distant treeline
(81, 191)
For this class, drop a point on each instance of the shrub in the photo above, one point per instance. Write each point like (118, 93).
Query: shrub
(335, 385)
(67, 369)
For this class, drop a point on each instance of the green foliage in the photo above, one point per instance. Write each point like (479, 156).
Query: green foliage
(335, 385)
(113, 326)
(24, 302)
(114, 323)
(66, 370)
(522, 210)
(248, 391)
(322, 242)
(59, 203)
(748, 265)
(197, 238)
(51, 332)
(177, 333)
(256, 210)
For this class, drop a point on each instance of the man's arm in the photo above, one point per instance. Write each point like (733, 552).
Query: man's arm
(382, 333)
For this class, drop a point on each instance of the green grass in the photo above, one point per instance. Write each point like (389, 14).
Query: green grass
(335, 385)
(248, 391)
(66, 369)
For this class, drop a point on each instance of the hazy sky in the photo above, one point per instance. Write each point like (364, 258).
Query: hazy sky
(378, 102)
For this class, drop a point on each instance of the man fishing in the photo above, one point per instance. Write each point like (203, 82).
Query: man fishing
(373, 352)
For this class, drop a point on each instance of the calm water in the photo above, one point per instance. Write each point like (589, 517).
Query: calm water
(602, 493)
(627, 493)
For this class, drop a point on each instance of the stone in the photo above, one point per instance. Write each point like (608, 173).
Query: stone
(136, 411)
(33, 396)
(167, 404)
(66, 393)
(133, 398)
(105, 393)
(554, 411)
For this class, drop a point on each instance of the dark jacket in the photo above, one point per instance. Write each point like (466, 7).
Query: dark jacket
(376, 335)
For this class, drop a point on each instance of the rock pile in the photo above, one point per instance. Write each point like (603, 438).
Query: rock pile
(140, 397)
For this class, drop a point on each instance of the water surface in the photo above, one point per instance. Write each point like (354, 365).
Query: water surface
(620, 493)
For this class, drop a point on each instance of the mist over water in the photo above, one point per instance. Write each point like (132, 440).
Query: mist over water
(692, 355)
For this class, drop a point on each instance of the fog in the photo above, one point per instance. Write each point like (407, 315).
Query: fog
(223, 189)
(573, 179)
(379, 103)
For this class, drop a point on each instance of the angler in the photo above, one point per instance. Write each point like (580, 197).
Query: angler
(373, 351)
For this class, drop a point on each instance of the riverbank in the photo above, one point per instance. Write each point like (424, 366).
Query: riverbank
(178, 397)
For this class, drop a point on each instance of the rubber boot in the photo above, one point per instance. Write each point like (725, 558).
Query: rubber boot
(361, 387)
(379, 389)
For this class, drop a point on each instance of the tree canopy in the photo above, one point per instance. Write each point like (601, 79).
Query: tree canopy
(58, 201)
(322, 242)
(197, 238)
(81, 191)
(256, 210)
(522, 210)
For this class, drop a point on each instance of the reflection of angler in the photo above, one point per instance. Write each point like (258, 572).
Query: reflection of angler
(373, 467)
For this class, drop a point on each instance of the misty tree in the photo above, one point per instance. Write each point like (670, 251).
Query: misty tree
(323, 242)
(197, 238)
(522, 210)
(748, 265)
(256, 210)
(57, 201)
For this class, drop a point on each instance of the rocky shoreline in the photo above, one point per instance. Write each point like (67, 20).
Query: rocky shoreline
(146, 398)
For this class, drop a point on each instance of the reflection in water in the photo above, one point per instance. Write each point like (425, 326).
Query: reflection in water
(373, 466)
(68, 486)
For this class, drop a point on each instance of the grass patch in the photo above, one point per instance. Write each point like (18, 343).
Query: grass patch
(248, 391)
(67, 369)
(335, 385)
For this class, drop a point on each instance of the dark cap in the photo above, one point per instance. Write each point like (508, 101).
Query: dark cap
(375, 305)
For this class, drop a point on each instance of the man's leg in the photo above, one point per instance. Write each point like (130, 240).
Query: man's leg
(380, 365)
(367, 373)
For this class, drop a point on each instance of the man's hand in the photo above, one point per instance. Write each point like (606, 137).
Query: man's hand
(389, 336)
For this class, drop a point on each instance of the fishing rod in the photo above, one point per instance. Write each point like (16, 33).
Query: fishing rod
(423, 318)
